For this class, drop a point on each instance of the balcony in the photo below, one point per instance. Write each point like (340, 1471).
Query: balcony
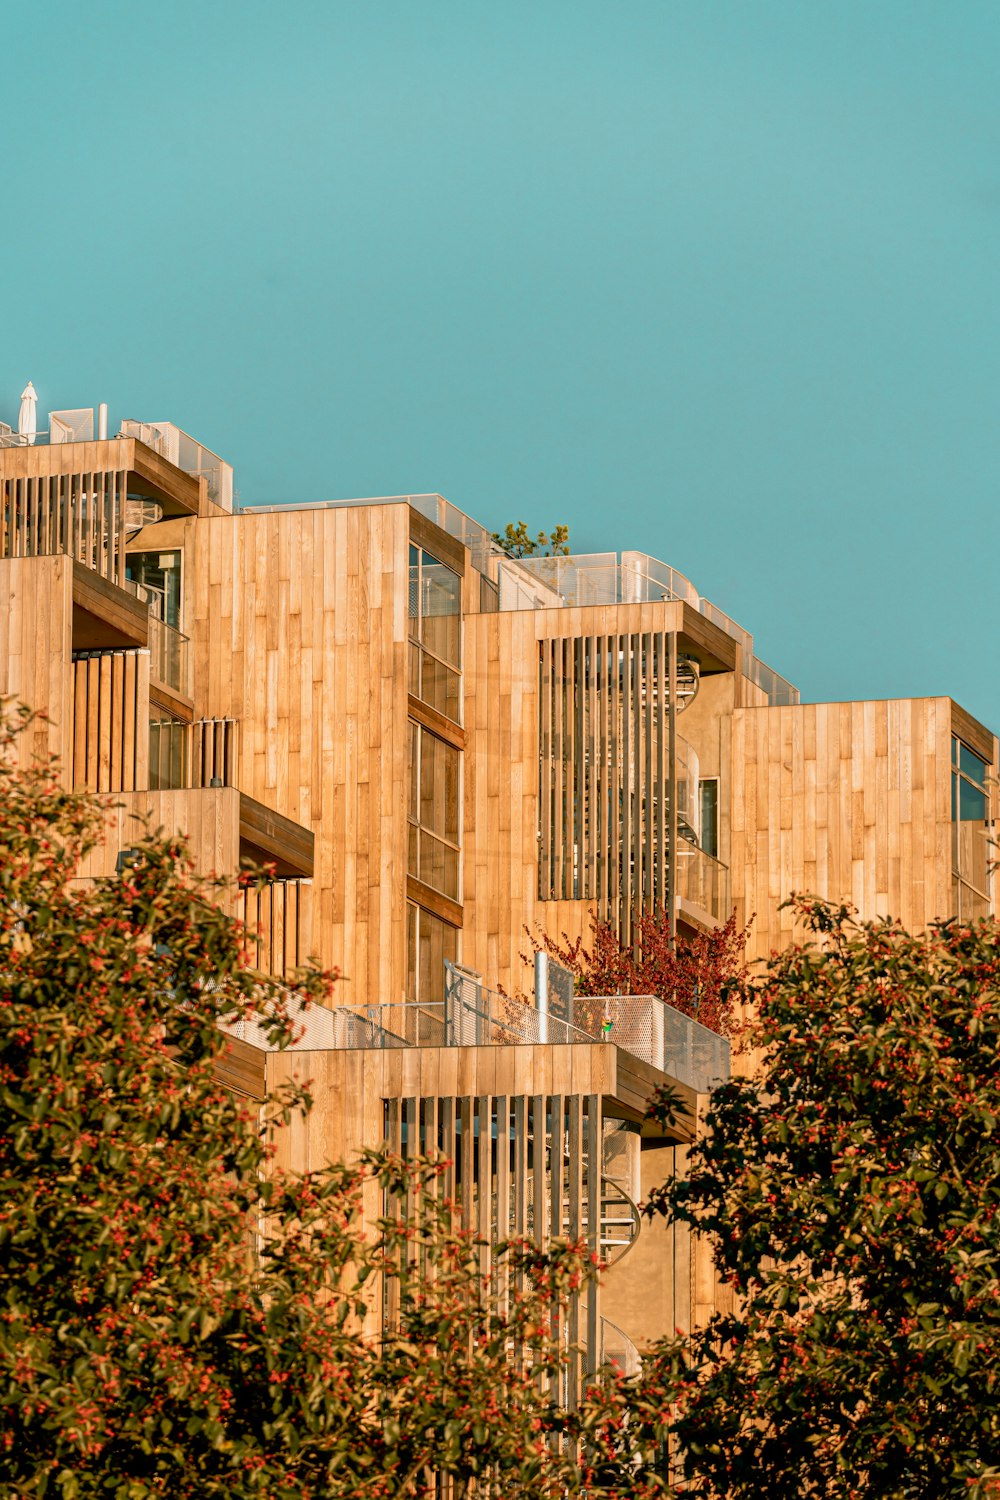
(642, 1026)
(702, 886)
(628, 578)
(200, 754)
(169, 657)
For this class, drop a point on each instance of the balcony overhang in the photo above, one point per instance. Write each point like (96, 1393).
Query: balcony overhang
(269, 837)
(711, 646)
(156, 478)
(634, 1084)
(105, 616)
(149, 476)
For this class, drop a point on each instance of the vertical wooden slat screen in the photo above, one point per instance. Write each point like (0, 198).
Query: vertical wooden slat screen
(277, 917)
(605, 749)
(81, 514)
(515, 1166)
(110, 715)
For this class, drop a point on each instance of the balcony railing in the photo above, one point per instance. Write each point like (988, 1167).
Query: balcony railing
(641, 1025)
(169, 661)
(323, 1028)
(474, 1016)
(177, 446)
(702, 880)
(658, 1034)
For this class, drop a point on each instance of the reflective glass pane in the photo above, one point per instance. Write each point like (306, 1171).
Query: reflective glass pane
(710, 817)
(429, 942)
(971, 802)
(437, 864)
(972, 764)
(438, 807)
(440, 687)
(159, 573)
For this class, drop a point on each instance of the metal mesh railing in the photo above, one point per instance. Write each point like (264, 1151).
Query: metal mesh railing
(642, 1025)
(479, 1017)
(658, 1034)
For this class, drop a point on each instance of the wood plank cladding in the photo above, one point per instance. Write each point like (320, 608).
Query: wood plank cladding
(604, 726)
(298, 630)
(973, 734)
(207, 818)
(424, 533)
(848, 801)
(434, 901)
(78, 513)
(110, 721)
(241, 1068)
(36, 626)
(437, 723)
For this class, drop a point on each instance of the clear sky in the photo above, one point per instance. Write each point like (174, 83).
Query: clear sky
(710, 278)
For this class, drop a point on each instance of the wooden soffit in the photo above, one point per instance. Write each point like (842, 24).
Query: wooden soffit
(444, 547)
(971, 732)
(269, 835)
(104, 615)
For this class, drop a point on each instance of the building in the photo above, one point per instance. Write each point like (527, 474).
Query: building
(442, 750)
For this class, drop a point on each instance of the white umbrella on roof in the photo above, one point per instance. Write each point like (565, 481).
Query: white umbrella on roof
(27, 419)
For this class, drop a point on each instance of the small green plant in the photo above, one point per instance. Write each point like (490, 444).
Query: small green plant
(517, 542)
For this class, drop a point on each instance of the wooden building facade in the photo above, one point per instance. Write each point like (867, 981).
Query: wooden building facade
(442, 751)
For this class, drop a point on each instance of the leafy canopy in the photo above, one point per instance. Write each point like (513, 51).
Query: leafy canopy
(177, 1316)
(851, 1193)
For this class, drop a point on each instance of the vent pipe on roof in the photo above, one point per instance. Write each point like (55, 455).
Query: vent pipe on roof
(102, 421)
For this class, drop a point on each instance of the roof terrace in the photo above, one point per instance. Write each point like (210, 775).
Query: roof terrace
(627, 577)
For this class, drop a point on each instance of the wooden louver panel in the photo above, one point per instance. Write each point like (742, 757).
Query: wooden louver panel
(515, 1166)
(604, 773)
(110, 717)
(82, 515)
(277, 916)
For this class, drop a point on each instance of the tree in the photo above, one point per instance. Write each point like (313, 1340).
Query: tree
(517, 542)
(699, 975)
(178, 1317)
(851, 1193)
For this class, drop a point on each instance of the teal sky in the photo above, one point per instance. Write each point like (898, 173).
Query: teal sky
(715, 279)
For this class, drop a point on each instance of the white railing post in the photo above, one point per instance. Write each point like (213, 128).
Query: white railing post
(542, 994)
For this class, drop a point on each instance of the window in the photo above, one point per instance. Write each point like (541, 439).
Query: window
(708, 793)
(159, 573)
(435, 630)
(970, 829)
(435, 815)
(429, 941)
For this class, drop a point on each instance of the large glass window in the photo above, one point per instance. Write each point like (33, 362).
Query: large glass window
(160, 574)
(435, 630)
(708, 792)
(435, 817)
(429, 941)
(970, 829)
